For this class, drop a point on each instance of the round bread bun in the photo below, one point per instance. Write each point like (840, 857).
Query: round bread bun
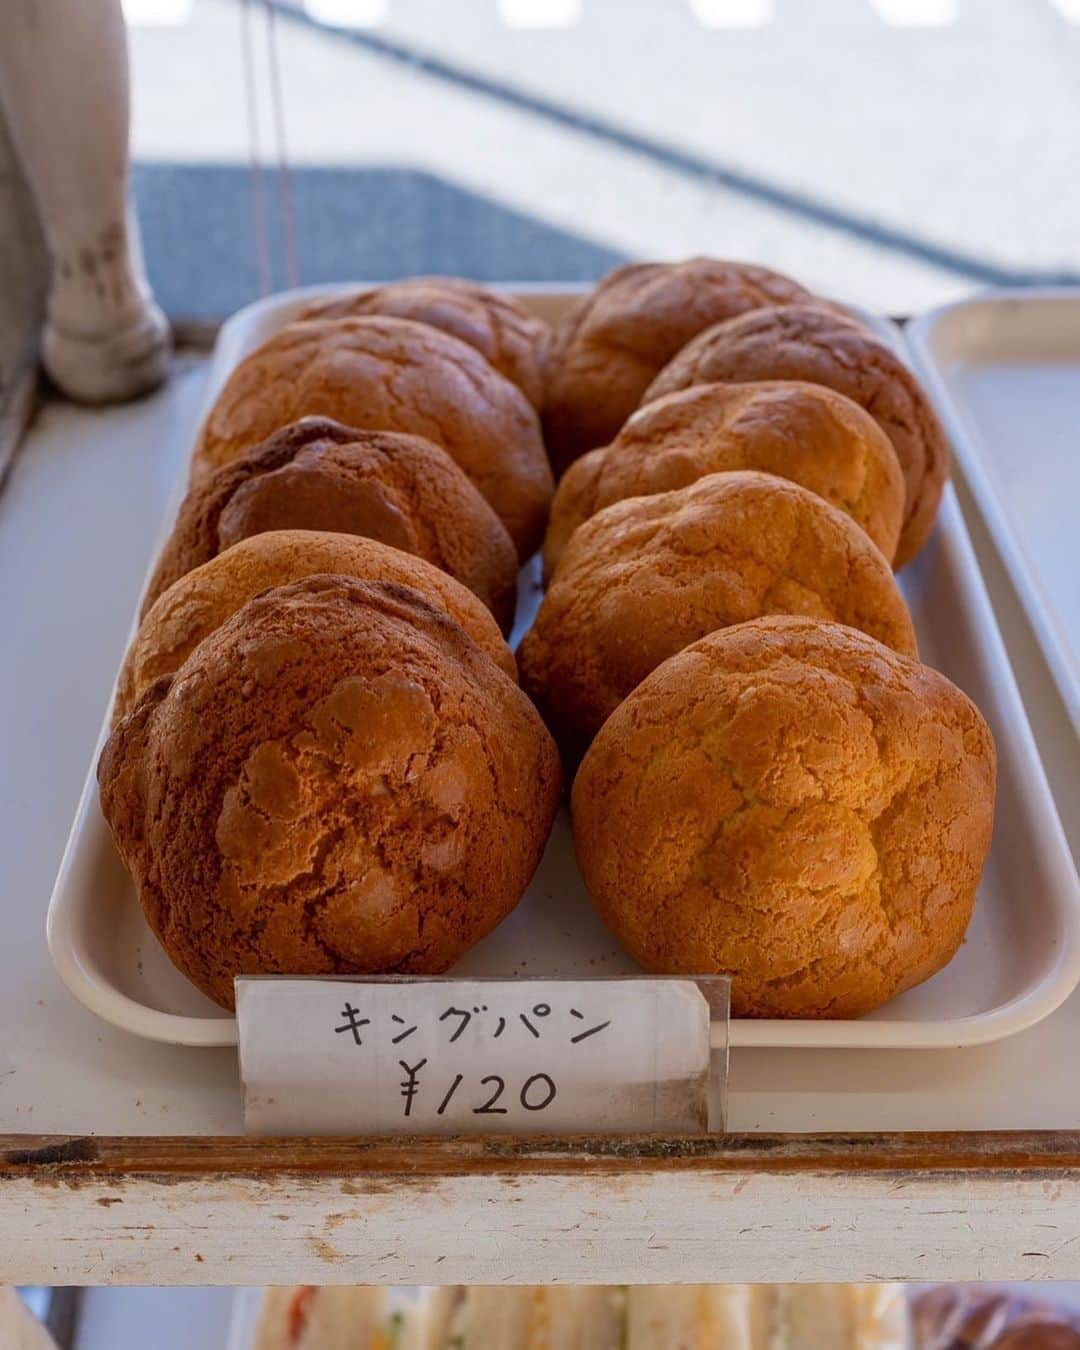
(646, 577)
(502, 330)
(336, 781)
(804, 432)
(794, 804)
(319, 475)
(199, 602)
(607, 349)
(386, 374)
(807, 342)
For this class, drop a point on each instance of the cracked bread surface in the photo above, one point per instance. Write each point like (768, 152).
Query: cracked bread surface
(500, 328)
(647, 576)
(804, 432)
(791, 803)
(337, 780)
(807, 342)
(202, 600)
(317, 474)
(608, 348)
(388, 374)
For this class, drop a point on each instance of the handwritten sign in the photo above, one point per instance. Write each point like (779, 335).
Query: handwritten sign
(333, 1056)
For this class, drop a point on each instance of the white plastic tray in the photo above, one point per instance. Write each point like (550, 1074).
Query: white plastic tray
(1020, 960)
(1004, 371)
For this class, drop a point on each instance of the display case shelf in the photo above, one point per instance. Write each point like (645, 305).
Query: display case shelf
(122, 1161)
(648, 1210)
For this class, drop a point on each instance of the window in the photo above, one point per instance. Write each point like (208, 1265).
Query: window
(891, 152)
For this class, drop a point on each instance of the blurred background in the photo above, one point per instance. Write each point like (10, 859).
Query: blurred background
(894, 152)
(224, 1319)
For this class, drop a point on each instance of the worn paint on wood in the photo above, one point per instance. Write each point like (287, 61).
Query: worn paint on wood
(753, 1207)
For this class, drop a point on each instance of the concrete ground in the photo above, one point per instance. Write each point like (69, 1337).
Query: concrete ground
(896, 165)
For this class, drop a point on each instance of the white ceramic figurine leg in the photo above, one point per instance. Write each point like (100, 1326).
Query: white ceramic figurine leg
(64, 85)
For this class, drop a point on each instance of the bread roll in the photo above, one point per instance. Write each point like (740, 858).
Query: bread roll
(805, 342)
(319, 475)
(336, 781)
(500, 328)
(644, 578)
(607, 349)
(201, 601)
(800, 431)
(385, 374)
(792, 803)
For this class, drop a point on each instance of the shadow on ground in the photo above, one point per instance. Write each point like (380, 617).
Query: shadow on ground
(373, 224)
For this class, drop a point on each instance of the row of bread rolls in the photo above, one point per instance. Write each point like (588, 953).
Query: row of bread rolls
(589, 1317)
(647, 576)
(651, 329)
(771, 784)
(321, 761)
(378, 373)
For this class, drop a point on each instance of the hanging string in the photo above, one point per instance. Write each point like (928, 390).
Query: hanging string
(258, 195)
(285, 193)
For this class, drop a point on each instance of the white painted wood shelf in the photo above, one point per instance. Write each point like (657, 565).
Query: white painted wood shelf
(144, 1188)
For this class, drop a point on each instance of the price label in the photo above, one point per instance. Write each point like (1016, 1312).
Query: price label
(336, 1056)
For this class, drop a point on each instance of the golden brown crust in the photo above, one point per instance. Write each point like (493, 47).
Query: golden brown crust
(807, 342)
(795, 804)
(202, 600)
(804, 432)
(386, 374)
(316, 474)
(609, 347)
(502, 330)
(338, 780)
(646, 577)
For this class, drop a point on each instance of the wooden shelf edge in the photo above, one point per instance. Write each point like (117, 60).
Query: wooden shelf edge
(236, 1211)
(1013, 1151)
